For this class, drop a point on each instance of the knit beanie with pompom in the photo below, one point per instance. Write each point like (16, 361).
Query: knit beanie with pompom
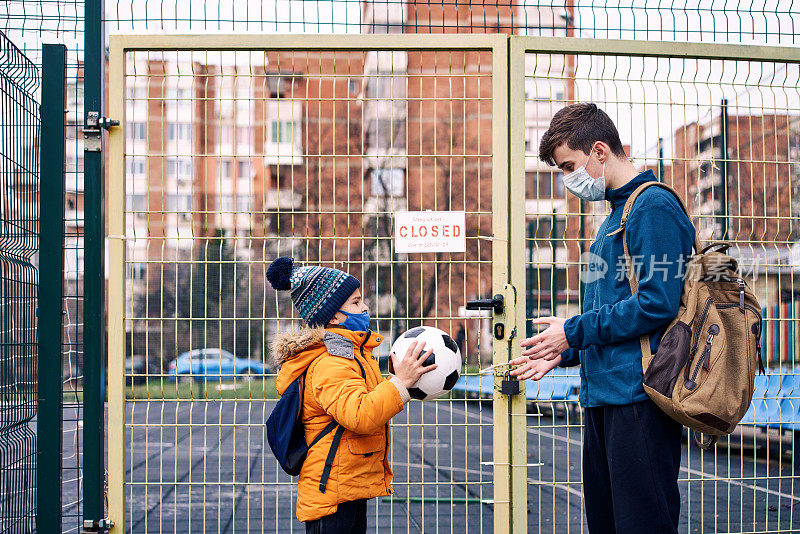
(317, 292)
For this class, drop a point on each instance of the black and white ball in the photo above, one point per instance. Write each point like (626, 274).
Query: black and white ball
(440, 381)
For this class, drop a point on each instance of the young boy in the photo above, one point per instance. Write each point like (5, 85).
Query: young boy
(334, 348)
(631, 449)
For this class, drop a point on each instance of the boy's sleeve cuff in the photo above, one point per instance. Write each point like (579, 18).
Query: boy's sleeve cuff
(401, 389)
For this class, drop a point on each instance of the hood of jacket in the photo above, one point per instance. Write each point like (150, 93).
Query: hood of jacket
(294, 351)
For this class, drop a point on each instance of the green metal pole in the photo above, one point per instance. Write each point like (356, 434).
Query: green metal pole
(94, 276)
(724, 167)
(51, 275)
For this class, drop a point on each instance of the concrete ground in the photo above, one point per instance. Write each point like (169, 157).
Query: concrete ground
(205, 466)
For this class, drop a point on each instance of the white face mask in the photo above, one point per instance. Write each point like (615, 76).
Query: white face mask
(580, 184)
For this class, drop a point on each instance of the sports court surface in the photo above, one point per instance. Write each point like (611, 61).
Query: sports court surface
(205, 466)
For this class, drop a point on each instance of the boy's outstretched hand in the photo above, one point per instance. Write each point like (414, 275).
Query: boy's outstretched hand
(548, 344)
(535, 369)
(410, 368)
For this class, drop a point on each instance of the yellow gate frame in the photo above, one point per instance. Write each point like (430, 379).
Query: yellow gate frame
(509, 447)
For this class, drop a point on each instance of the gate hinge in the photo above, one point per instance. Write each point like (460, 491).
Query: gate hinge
(96, 525)
(93, 130)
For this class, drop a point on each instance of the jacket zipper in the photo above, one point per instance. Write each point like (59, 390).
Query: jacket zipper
(364, 342)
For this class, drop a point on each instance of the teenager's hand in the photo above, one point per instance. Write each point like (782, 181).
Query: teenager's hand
(535, 369)
(410, 368)
(548, 344)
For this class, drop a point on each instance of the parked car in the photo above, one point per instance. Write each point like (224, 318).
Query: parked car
(213, 365)
(137, 369)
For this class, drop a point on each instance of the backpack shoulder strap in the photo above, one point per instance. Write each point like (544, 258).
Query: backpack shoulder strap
(633, 280)
(626, 210)
(337, 438)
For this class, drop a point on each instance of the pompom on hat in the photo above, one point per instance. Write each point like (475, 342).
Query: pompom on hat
(317, 292)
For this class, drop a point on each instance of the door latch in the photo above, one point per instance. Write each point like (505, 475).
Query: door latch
(93, 130)
(94, 526)
(495, 303)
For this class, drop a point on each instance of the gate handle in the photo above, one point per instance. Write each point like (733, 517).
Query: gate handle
(495, 303)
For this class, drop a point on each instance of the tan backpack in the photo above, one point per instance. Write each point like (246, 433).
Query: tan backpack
(703, 372)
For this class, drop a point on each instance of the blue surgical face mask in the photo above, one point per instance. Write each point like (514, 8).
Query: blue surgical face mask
(357, 322)
(580, 184)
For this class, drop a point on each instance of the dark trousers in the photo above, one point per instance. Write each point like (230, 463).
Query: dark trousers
(350, 517)
(631, 460)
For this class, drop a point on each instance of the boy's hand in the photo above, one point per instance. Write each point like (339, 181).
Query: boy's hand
(410, 368)
(548, 344)
(535, 369)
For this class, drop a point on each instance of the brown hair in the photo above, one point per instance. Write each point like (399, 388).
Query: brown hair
(580, 126)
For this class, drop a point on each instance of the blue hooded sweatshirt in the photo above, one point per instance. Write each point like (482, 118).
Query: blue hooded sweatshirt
(604, 338)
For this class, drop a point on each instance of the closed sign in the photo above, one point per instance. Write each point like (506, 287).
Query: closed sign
(429, 231)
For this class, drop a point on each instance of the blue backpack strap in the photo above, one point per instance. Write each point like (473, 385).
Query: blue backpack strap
(330, 426)
(337, 437)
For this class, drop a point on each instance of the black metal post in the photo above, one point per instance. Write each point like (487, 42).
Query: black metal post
(661, 159)
(51, 276)
(93, 276)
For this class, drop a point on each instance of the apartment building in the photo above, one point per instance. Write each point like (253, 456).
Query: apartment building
(309, 154)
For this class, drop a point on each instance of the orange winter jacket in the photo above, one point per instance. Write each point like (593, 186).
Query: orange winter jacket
(336, 389)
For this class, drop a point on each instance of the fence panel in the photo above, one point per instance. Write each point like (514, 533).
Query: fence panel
(19, 245)
(721, 124)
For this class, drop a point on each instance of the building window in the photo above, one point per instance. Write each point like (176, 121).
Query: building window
(137, 131)
(385, 134)
(226, 135)
(137, 202)
(135, 93)
(543, 89)
(243, 169)
(136, 271)
(381, 87)
(242, 135)
(275, 85)
(243, 202)
(225, 169)
(181, 131)
(388, 182)
(136, 166)
(284, 131)
(225, 202)
(179, 202)
(545, 184)
(182, 167)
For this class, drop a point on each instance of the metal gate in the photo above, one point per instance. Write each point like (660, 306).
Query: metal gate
(233, 150)
(732, 114)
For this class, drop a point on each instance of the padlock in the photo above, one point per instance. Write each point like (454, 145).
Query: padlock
(509, 386)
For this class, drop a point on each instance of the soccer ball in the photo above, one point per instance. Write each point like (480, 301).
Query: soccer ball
(440, 381)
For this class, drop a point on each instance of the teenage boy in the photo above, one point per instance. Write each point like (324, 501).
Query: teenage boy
(631, 449)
